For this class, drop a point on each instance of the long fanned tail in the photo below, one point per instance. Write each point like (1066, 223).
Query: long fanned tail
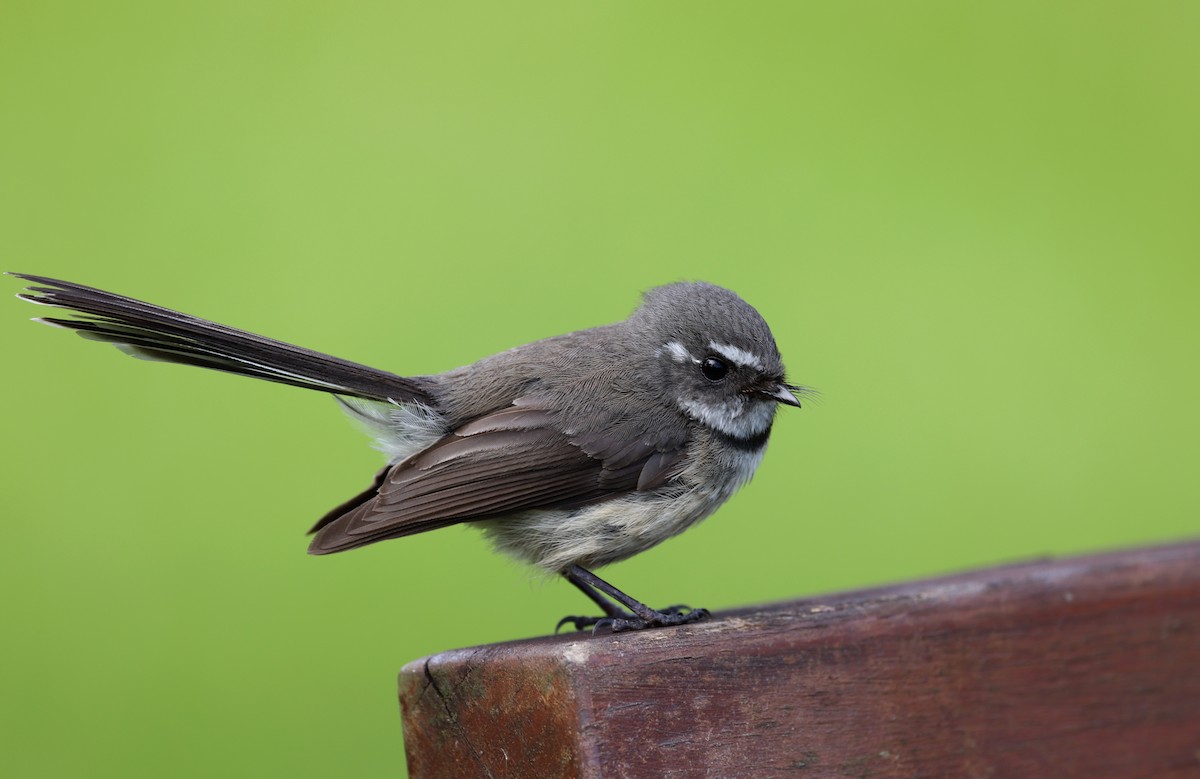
(155, 333)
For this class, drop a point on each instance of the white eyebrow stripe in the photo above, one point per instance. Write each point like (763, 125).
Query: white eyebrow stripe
(678, 352)
(738, 355)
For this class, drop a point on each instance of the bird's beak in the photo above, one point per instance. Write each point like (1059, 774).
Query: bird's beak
(784, 393)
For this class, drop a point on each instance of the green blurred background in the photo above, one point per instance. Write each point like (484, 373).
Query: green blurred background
(972, 226)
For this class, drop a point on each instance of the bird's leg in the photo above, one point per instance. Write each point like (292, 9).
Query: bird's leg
(607, 606)
(639, 615)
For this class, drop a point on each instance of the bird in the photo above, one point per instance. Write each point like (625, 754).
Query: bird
(570, 453)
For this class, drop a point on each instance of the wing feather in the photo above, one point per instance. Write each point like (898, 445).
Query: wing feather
(516, 459)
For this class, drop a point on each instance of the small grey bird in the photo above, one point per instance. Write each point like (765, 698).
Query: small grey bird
(571, 452)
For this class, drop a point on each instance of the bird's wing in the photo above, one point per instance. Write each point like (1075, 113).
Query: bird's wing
(155, 333)
(511, 460)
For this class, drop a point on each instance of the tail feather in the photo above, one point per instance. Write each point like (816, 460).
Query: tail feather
(155, 333)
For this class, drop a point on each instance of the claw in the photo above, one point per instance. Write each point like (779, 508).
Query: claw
(672, 615)
(617, 619)
(619, 625)
(579, 623)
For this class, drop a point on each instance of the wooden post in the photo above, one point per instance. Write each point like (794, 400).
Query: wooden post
(1083, 667)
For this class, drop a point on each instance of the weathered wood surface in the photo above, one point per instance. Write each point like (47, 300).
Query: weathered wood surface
(1083, 667)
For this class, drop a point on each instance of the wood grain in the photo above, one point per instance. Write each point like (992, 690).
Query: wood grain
(1082, 667)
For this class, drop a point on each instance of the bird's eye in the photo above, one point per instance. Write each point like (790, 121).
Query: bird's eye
(714, 369)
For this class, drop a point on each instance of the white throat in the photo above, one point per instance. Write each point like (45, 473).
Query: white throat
(737, 417)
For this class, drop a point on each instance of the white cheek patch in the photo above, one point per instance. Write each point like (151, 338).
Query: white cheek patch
(677, 352)
(738, 355)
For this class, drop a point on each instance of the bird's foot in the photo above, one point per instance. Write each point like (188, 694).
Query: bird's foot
(623, 621)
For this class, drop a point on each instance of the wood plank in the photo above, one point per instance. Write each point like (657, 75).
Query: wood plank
(1082, 667)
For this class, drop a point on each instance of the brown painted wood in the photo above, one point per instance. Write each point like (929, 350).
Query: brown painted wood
(1084, 667)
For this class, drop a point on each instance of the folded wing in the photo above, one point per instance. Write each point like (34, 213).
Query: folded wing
(512, 460)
